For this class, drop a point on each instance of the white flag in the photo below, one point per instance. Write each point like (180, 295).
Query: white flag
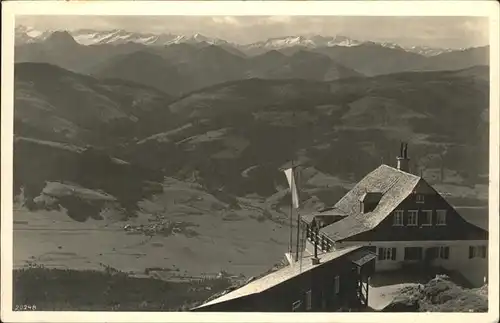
(290, 176)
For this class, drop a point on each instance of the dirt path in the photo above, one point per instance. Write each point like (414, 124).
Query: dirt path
(385, 286)
(380, 297)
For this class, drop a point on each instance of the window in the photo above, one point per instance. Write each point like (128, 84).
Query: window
(444, 252)
(386, 253)
(412, 218)
(477, 252)
(420, 198)
(441, 217)
(413, 253)
(427, 218)
(397, 218)
(308, 300)
(336, 284)
(483, 253)
(296, 306)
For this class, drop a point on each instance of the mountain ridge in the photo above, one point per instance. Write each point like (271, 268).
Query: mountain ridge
(201, 63)
(54, 103)
(119, 36)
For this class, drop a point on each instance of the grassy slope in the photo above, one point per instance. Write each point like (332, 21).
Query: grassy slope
(52, 103)
(108, 290)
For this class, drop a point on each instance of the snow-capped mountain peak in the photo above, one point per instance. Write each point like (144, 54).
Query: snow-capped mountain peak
(427, 51)
(26, 34)
(309, 41)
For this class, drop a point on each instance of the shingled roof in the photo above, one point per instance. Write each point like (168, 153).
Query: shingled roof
(394, 185)
(284, 274)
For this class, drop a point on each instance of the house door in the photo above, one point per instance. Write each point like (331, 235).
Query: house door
(413, 258)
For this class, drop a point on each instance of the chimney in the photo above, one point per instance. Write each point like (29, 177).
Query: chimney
(403, 160)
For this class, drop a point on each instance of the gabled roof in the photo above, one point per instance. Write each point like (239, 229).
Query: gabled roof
(394, 186)
(282, 275)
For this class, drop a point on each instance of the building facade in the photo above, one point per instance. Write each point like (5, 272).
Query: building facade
(405, 221)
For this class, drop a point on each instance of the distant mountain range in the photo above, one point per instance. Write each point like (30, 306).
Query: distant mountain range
(178, 68)
(191, 64)
(25, 34)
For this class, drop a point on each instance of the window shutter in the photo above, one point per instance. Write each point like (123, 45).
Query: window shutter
(393, 256)
(471, 252)
(380, 253)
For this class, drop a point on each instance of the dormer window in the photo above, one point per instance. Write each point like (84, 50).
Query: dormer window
(420, 198)
(369, 201)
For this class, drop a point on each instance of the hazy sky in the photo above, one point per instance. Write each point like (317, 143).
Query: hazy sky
(431, 31)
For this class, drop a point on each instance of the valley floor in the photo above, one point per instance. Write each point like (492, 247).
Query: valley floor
(52, 239)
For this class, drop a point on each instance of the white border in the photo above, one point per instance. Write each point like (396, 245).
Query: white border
(352, 8)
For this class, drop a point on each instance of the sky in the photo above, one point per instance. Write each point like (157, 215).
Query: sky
(451, 32)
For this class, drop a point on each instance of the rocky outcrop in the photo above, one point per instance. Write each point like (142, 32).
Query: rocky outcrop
(440, 294)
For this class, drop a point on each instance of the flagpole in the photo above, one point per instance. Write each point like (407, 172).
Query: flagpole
(291, 214)
(290, 174)
(291, 230)
(303, 242)
(298, 236)
(298, 218)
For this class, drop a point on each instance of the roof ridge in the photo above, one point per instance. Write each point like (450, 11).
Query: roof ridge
(392, 185)
(399, 170)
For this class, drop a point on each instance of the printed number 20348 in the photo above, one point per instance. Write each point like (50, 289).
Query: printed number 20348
(25, 307)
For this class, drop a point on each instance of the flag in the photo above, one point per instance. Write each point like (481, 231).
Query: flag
(290, 176)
